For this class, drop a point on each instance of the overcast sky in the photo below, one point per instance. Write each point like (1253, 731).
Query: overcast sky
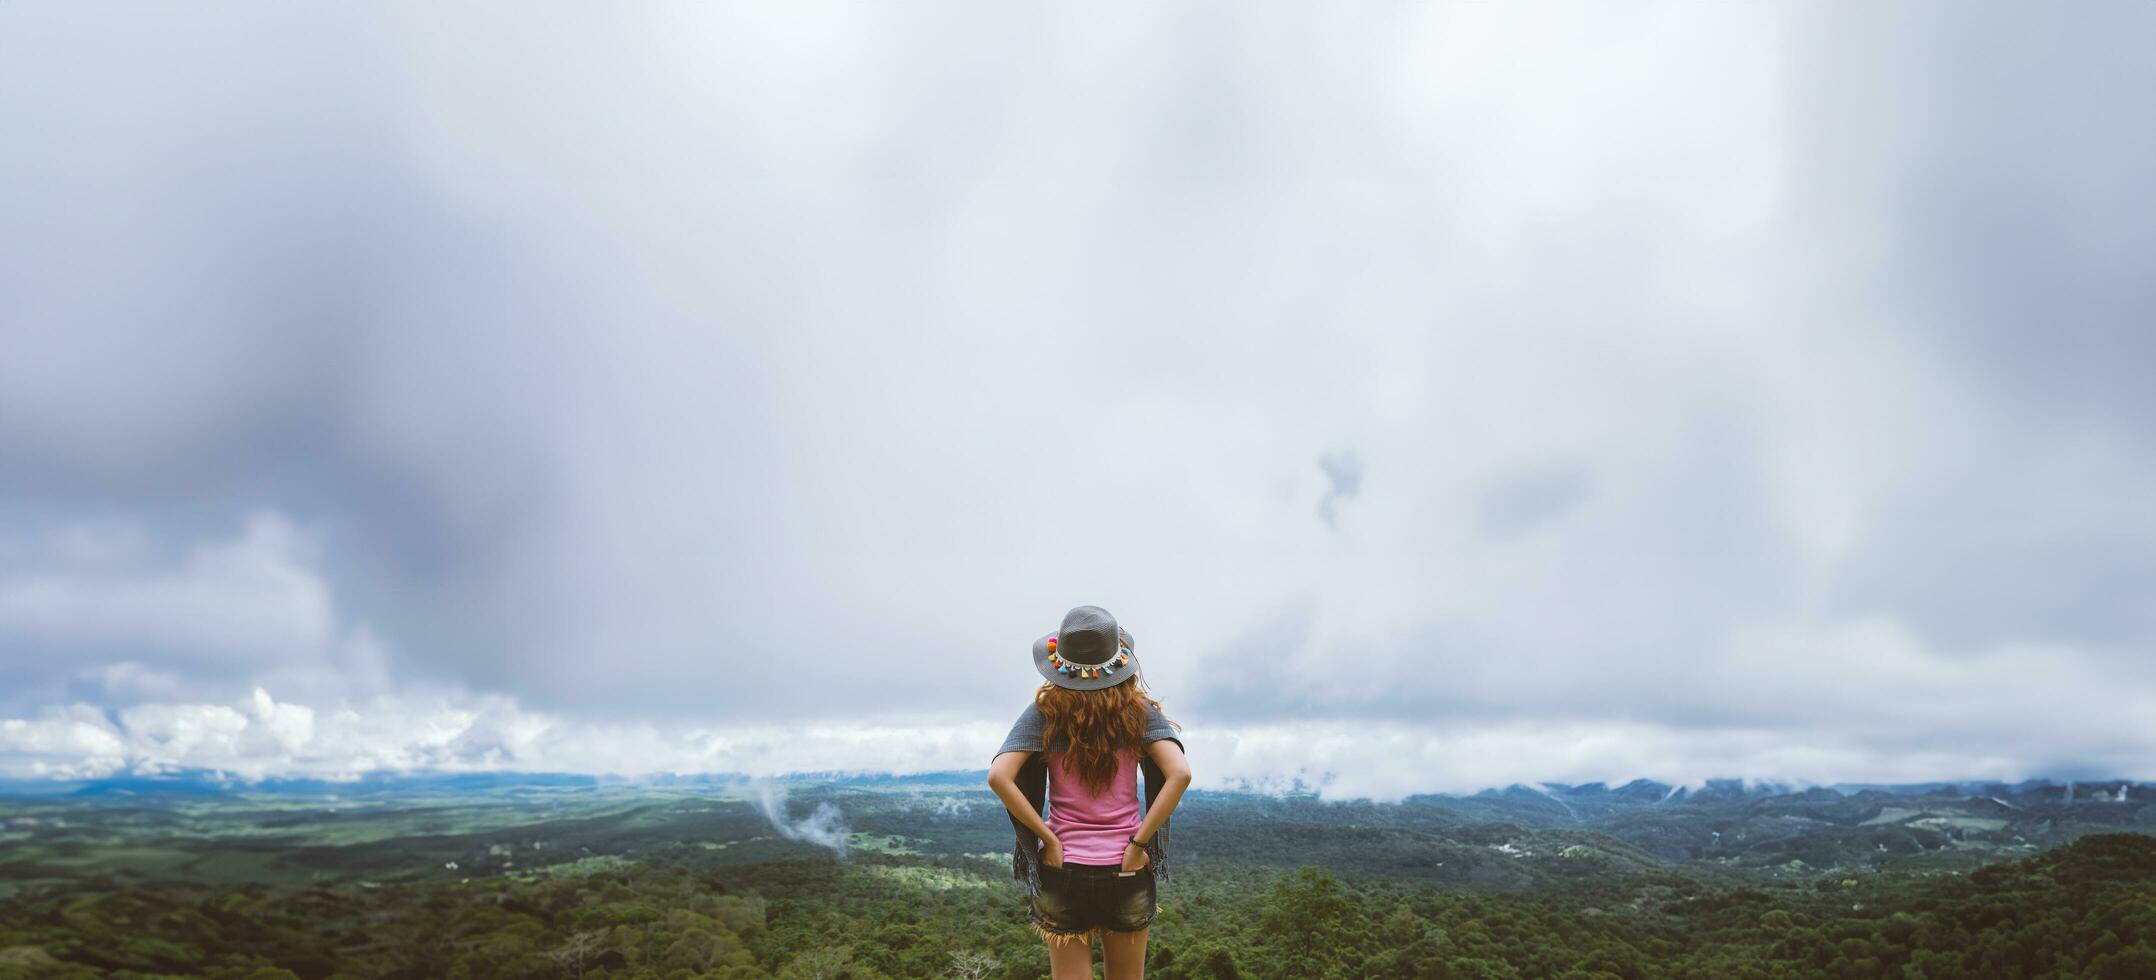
(1442, 395)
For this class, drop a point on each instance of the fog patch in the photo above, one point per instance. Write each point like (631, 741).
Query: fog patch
(825, 826)
(942, 806)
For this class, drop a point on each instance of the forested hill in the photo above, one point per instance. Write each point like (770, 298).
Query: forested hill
(911, 878)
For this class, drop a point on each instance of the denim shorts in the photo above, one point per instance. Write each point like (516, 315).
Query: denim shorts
(1077, 901)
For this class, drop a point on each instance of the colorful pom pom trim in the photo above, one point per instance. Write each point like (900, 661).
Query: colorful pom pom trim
(1088, 671)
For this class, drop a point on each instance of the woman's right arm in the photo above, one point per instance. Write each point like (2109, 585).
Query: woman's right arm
(1167, 753)
(1003, 778)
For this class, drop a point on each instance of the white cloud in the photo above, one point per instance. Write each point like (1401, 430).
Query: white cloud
(75, 740)
(1924, 721)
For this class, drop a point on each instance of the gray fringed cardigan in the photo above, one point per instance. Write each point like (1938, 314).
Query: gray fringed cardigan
(1032, 780)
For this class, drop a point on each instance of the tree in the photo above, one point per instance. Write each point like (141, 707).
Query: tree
(827, 963)
(969, 964)
(1304, 919)
(579, 950)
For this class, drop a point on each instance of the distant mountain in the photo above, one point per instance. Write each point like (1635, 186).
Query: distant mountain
(1575, 803)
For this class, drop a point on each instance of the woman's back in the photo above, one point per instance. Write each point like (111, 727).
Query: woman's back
(1090, 850)
(1094, 826)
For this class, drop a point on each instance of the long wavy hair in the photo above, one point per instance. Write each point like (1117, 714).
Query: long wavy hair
(1098, 724)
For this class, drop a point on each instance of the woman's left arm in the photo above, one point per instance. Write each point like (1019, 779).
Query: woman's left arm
(1175, 773)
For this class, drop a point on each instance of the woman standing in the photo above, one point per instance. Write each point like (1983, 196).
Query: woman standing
(1091, 867)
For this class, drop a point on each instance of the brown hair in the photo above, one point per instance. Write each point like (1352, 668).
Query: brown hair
(1097, 724)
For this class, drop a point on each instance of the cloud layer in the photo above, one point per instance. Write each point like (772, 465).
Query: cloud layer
(1439, 395)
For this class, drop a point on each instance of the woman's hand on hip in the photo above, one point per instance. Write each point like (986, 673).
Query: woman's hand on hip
(1052, 853)
(1135, 857)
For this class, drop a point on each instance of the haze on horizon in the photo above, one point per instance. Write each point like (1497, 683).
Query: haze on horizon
(1446, 396)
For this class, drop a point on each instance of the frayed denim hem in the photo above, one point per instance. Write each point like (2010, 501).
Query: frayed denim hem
(1062, 938)
(1086, 936)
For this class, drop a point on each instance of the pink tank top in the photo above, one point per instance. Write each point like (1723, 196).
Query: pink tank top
(1094, 828)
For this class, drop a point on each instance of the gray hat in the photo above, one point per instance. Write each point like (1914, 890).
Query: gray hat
(1089, 653)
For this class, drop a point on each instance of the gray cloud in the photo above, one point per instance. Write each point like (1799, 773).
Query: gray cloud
(1343, 478)
(775, 367)
(1523, 501)
(1990, 171)
(2023, 249)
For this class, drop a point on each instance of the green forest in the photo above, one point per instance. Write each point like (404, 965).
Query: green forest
(759, 905)
(2087, 909)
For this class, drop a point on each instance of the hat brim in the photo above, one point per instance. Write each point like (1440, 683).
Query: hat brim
(1106, 680)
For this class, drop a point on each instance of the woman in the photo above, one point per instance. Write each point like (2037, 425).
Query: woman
(1091, 867)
